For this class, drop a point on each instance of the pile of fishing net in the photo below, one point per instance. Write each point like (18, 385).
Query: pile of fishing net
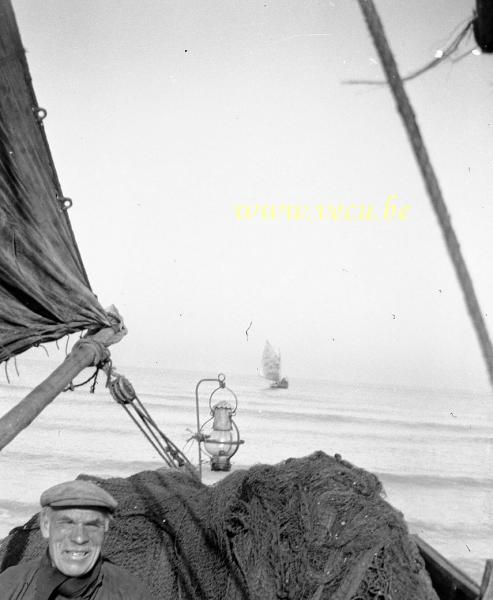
(312, 528)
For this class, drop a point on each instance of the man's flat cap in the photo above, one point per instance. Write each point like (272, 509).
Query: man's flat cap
(78, 493)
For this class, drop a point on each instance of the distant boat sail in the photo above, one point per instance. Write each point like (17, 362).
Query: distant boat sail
(271, 367)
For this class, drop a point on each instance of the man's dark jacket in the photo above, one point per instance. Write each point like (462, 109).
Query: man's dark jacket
(113, 583)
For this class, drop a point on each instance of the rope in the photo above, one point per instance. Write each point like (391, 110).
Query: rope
(94, 377)
(447, 53)
(101, 358)
(101, 352)
(124, 394)
(407, 114)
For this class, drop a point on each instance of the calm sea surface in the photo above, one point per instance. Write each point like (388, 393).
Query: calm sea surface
(432, 449)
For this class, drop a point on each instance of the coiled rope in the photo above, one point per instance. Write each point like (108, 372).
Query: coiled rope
(432, 186)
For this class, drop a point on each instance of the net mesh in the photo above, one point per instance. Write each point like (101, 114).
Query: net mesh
(309, 528)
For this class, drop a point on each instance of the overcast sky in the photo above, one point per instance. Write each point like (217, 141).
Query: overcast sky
(165, 116)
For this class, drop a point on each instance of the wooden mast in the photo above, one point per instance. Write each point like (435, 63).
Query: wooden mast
(430, 180)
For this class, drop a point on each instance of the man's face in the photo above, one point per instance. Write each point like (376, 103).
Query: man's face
(75, 537)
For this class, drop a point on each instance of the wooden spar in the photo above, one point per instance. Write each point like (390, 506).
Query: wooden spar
(90, 350)
(448, 581)
(430, 180)
(487, 583)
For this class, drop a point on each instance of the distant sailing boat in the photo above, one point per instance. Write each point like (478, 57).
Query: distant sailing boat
(271, 367)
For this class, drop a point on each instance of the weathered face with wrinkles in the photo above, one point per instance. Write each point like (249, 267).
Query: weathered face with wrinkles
(75, 537)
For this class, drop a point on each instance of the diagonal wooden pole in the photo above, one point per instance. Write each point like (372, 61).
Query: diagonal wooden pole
(88, 351)
(434, 193)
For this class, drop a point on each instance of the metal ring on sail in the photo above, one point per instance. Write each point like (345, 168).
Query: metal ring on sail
(64, 202)
(40, 113)
(44, 289)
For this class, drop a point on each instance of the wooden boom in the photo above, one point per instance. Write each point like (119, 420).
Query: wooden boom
(88, 351)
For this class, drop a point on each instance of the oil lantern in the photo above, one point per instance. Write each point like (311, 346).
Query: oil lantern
(219, 435)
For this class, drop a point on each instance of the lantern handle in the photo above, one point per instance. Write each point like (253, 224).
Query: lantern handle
(224, 387)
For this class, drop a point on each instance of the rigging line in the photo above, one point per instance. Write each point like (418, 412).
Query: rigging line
(151, 437)
(154, 429)
(447, 53)
(151, 431)
(458, 28)
(145, 416)
(139, 425)
(462, 56)
(166, 453)
(123, 393)
(431, 182)
(72, 385)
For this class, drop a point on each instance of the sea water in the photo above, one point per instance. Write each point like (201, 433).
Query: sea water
(432, 449)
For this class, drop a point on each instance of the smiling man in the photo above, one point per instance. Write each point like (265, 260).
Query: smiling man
(74, 519)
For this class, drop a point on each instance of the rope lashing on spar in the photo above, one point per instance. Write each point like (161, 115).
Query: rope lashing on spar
(431, 182)
(101, 357)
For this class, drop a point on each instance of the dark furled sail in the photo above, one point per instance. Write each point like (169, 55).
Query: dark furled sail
(44, 290)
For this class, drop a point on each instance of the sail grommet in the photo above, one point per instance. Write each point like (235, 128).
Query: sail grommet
(40, 113)
(65, 203)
